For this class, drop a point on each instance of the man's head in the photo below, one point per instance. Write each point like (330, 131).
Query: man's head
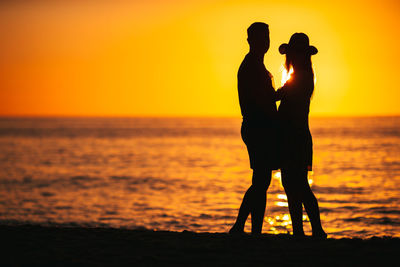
(258, 37)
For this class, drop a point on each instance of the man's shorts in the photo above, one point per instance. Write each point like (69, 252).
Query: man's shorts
(262, 146)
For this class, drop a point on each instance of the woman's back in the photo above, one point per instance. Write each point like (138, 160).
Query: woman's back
(295, 102)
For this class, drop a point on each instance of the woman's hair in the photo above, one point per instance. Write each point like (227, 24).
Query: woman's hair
(300, 61)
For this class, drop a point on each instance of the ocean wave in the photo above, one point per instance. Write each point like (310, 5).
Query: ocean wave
(117, 132)
(342, 190)
(97, 224)
(384, 210)
(377, 221)
(87, 182)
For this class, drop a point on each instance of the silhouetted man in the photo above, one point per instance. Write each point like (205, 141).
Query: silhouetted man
(259, 131)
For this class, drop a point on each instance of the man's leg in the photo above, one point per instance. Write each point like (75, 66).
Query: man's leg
(254, 202)
(261, 182)
(244, 212)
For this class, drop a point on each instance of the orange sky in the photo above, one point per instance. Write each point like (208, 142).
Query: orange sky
(180, 58)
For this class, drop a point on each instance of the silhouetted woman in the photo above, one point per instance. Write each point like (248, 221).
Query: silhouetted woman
(296, 144)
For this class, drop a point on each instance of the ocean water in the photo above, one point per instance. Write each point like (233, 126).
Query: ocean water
(190, 174)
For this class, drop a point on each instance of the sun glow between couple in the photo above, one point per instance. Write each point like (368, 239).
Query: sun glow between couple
(287, 74)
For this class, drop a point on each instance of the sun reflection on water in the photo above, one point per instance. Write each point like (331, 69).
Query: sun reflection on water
(281, 223)
(282, 196)
(277, 175)
(281, 204)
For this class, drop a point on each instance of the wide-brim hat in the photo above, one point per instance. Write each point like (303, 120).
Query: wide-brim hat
(298, 43)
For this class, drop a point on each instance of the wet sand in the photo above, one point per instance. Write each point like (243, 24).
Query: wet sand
(66, 246)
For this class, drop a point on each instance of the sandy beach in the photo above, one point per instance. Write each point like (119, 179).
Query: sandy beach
(57, 245)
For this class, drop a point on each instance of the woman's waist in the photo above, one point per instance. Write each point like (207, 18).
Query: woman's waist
(260, 122)
(293, 117)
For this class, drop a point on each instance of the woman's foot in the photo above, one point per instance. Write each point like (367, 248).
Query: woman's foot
(299, 232)
(319, 235)
(299, 235)
(236, 229)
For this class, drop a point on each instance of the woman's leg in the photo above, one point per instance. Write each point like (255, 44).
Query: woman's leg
(290, 184)
(311, 205)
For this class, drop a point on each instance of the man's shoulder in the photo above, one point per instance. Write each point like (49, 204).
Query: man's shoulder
(247, 65)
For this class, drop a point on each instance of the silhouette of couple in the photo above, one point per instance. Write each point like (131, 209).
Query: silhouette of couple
(277, 138)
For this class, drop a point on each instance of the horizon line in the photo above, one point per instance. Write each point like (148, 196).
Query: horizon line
(178, 116)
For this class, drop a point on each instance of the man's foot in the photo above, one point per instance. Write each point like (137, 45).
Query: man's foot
(236, 229)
